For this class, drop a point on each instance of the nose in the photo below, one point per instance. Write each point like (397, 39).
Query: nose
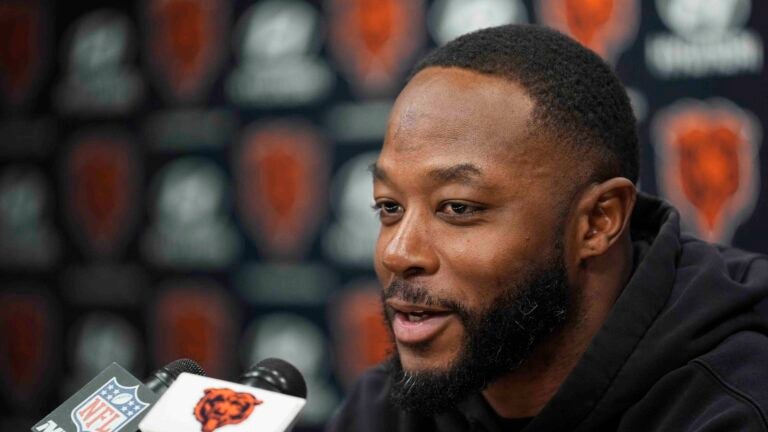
(408, 248)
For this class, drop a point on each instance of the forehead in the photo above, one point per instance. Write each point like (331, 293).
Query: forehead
(446, 116)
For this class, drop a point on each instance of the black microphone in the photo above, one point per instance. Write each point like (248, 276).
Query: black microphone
(113, 400)
(268, 397)
(275, 375)
(159, 381)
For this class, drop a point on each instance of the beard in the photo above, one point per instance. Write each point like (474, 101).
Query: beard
(497, 339)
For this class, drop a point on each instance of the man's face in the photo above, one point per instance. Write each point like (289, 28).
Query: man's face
(469, 231)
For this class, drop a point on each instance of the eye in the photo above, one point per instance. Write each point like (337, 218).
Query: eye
(459, 209)
(387, 211)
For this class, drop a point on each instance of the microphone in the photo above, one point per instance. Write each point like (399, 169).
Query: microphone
(159, 381)
(114, 400)
(268, 397)
(275, 375)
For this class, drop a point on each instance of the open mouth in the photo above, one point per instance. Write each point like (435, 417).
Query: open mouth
(414, 323)
(418, 316)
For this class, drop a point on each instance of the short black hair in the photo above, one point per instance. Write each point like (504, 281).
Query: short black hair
(577, 98)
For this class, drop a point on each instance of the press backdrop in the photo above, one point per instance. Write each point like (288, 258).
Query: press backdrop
(188, 178)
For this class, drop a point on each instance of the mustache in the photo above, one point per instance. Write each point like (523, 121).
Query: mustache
(418, 294)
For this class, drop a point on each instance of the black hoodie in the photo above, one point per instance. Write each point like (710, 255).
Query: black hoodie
(685, 348)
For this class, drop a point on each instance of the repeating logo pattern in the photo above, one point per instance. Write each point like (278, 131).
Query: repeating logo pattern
(100, 338)
(277, 43)
(27, 237)
(27, 344)
(707, 164)
(708, 39)
(449, 19)
(22, 50)
(194, 319)
(604, 26)
(102, 178)
(190, 225)
(98, 80)
(351, 238)
(292, 336)
(109, 408)
(374, 40)
(185, 42)
(282, 174)
(363, 339)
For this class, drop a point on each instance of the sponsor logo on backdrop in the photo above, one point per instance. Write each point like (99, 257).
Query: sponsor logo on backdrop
(361, 337)
(97, 78)
(23, 50)
(277, 44)
(281, 283)
(351, 238)
(220, 407)
(282, 175)
(605, 26)
(291, 336)
(708, 38)
(109, 408)
(101, 180)
(707, 164)
(100, 338)
(374, 41)
(183, 130)
(190, 225)
(27, 236)
(27, 345)
(195, 319)
(449, 19)
(185, 43)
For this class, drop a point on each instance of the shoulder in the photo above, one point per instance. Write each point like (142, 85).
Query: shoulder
(724, 389)
(739, 369)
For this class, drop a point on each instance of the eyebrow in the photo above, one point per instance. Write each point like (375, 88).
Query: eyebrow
(465, 173)
(461, 173)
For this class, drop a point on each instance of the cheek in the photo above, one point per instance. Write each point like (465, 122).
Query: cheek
(381, 272)
(483, 266)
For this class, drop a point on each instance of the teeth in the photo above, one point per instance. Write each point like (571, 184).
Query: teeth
(416, 316)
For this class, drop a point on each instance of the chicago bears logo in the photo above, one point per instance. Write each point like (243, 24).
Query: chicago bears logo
(373, 40)
(195, 319)
(282, 174)
(358, 325)
(101, 174)
(185, 40)
(28, 343)
(222, 406)
(604, 26)
(706, 154)
(21, 42)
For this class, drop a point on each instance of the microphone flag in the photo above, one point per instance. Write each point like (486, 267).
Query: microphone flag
(113, 401)
(194, 403)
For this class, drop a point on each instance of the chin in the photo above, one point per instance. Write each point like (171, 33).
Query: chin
(422, 360)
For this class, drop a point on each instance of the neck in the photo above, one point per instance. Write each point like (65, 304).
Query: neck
(525, 391)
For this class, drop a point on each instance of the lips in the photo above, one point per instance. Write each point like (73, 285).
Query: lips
(414, 324)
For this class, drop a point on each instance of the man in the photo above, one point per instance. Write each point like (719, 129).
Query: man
(526, 283)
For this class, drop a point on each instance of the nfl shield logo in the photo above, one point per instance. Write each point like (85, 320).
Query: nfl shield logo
(108, 409)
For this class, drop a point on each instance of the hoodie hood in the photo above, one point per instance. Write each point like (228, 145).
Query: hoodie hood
(684, 298)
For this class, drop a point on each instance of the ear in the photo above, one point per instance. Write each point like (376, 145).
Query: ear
(603, 215)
